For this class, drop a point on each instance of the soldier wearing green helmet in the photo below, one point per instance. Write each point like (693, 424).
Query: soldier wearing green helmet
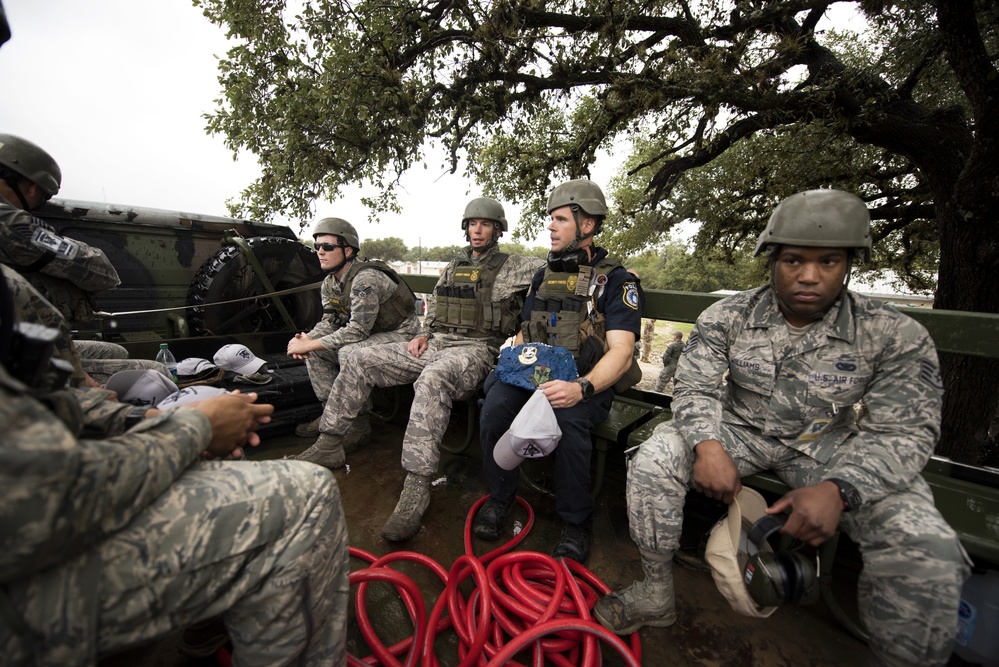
(365, 303)
(587, 303)
(66, 271)
(473, 309)
(798, 355)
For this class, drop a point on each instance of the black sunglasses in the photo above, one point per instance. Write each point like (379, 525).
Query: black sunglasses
(328, 247)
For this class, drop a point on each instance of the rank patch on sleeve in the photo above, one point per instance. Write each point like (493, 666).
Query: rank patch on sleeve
(692, 341)
(930, 374)
(630, 296)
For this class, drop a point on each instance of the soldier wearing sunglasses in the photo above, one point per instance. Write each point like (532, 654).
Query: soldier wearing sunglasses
(365, 303)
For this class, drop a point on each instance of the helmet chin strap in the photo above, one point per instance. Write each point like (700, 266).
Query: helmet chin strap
(579, 232)
(493, 240)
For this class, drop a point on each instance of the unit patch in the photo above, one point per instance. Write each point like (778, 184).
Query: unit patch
(630, 296)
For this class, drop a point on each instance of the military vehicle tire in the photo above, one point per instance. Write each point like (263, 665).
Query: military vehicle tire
(228, 275)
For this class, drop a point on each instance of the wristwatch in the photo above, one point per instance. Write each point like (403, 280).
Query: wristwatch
(587, 388)
(848, 494)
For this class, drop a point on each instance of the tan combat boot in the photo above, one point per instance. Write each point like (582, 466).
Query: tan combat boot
(309, 429)
(358, 434)
(649, 602)
(326, 451)
(405, 520)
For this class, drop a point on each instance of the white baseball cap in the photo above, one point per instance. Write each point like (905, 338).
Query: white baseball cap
(727, 552)
(189, 395)
(141, 387)
(194, 366)
(238, 359)
(533, 433)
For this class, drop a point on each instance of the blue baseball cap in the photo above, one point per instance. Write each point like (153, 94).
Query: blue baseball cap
(533, 364)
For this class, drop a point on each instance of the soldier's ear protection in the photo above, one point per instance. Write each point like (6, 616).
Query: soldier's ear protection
(567, 261)
(779, 577)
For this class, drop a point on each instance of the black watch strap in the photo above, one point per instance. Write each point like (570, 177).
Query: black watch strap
(848, 494)
(587, 387)
(135, 415)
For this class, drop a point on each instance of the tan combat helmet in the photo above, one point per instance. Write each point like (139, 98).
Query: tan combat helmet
(340, 228)
(484, 208)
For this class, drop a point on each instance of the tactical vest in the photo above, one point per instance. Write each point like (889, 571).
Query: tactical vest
(391, 314)
(565, 314)
(465, 304)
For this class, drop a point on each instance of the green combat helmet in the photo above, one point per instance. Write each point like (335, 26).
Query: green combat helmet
(585, 194)
(341, 229)
(820, 219)
(484, 208)
(28, 160)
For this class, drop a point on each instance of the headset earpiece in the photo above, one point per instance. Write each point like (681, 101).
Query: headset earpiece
(781, 577)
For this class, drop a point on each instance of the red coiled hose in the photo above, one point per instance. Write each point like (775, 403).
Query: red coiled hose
(521, 601)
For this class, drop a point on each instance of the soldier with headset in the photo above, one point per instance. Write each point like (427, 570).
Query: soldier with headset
(801, 352)
(473, 309)
(586, 302)
(364, 303)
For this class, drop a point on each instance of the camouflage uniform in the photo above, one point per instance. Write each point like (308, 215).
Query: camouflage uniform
(787, 407)
(65, 271)
(112, 543)
(101, 359)
(369, 289)
(670, 358)
(451, 368)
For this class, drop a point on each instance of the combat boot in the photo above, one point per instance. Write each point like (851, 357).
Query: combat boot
(650, 602)
(309, 429)
(358, 434)
(405, 520)
(326, 451)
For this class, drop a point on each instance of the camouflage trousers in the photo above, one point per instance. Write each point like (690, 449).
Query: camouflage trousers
(101, 360)
(324, 365)
(665, 375)
(440, 376)
(914, 564)
(263, 544)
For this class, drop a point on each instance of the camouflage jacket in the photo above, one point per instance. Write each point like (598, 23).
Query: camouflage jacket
(802, 391)
(672, 352)
(368, 291)
(59, 496)
(63, 269)
(509, 288)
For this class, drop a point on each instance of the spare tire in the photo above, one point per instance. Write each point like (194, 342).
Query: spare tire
(228, 275)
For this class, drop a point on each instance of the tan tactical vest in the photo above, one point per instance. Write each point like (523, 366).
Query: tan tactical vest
(392, 313)
(465, 304)
(565, 313)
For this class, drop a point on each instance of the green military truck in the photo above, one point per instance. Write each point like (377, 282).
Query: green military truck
(185, 274)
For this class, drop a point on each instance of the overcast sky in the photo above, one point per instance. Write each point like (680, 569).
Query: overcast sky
(115, 90)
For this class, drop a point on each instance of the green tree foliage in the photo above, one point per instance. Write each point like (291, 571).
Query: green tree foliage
(907, 115)
(677, 268)
(391, 249)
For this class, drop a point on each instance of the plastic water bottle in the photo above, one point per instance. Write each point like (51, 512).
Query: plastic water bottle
(977, 638)
(165, 357)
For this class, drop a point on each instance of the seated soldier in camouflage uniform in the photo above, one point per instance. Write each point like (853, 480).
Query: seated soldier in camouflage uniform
(65, 271)
(364, 303)
(114, 531)
(474, 308)
(801, 352)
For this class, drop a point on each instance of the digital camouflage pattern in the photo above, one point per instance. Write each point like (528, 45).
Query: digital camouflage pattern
(787, 407)
(64, 270)
(450, 369)
(111, 543)
(369, 289)
(671, 356)
(31, 306)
